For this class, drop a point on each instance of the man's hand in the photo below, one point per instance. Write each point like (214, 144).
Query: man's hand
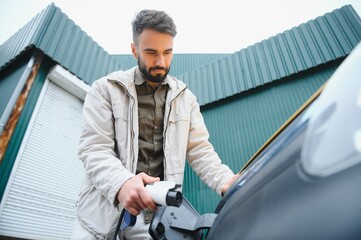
(134, 197)
(229, 183)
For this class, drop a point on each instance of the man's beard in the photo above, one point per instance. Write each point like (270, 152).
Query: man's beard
(158, 78)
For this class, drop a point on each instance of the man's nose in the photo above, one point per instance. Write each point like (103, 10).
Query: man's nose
(160, 61)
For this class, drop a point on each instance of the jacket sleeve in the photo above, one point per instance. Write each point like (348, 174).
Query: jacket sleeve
(97, 144)
(201, 154)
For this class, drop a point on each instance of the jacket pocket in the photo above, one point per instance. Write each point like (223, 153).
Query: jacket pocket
(96, 213)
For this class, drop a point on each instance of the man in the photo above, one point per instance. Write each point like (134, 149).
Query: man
(139, 127)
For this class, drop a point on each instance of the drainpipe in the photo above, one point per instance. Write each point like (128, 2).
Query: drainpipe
(14, 97)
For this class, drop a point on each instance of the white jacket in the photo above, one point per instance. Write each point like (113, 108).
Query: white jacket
(109, 146)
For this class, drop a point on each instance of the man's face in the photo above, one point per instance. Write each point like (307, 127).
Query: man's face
(154, 53)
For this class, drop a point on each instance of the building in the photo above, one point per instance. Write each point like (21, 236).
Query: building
(46, 69)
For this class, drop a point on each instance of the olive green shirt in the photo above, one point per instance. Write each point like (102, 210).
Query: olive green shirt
(151, 104)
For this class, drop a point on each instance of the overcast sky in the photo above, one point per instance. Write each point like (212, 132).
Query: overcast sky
(204, 26)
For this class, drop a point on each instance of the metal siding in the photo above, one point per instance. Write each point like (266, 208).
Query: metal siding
(239, 126)
(18, 42)
(218, 79)
(346, 39)
(59, 38)
(238, 72)
(294, 51)
(233, 86)
(65, 34)
(207, 91)
(224, 72)
(246, 72)
(316, 42)
(85, 55)
(352, 19)
(260, 63)
(78, 55)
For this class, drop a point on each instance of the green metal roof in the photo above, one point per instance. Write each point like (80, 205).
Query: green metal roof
(316, 42)
(61, 39)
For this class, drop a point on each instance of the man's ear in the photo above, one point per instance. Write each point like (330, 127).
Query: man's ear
(134, 50)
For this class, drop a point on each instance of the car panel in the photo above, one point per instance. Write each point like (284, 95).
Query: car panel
(304, 184)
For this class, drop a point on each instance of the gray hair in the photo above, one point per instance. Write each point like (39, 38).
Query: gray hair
(155, 20)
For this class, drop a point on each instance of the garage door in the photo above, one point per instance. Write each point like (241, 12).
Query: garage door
(40, 196)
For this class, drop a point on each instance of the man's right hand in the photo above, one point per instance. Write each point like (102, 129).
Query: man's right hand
(134, 197)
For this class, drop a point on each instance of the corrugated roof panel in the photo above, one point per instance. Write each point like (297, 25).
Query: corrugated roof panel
(205, 84)
(56, 27)
(233, 72)
(260, 63)
(217, 80)
(287, 56)
(301, 43)
(294, 50)
(94, 59)
(87, 51)
(79, 51)
(276, 57)
(312, 42)
(233, 59)
(318, 41)
(66, 34)
(346, 37)
(333, 48)
(44, 39)
(228, 73)
(252, 66)
(18, 42)
(58, 37)
(354, 21)
(70, 45)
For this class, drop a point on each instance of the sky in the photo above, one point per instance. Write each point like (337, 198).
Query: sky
(203, 26)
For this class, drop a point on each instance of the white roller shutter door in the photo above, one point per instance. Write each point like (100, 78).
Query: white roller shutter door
(40, 196)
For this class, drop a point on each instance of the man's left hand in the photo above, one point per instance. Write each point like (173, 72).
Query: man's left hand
(229, 183)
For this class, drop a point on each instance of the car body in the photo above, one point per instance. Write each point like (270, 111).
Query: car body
(305, 182)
